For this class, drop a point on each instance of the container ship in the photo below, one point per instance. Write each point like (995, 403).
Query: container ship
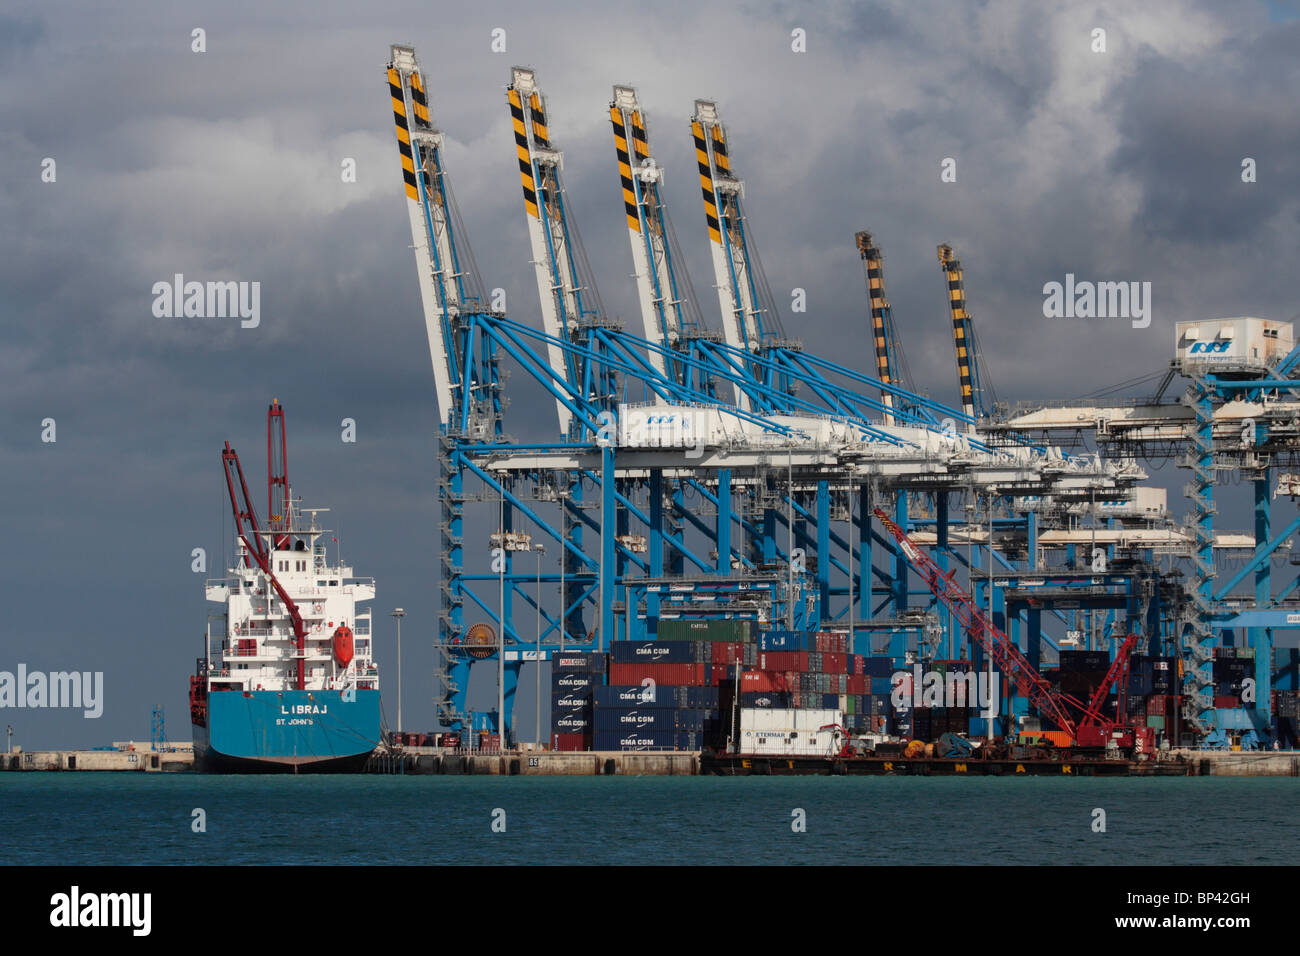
(287, 681)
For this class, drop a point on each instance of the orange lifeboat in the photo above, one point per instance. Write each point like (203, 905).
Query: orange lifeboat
(343, 645)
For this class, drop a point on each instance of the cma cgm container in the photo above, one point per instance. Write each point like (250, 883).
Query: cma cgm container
(587, 662)
(666, 652)
(647, 740)
(663, 695)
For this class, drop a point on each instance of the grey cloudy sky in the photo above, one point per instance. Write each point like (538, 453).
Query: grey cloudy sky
(1123, 165)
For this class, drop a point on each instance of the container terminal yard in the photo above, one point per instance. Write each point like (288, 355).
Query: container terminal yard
(728, 546)
(735, 556)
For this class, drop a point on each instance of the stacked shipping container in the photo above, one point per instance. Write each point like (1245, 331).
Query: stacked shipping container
(680, 691)
(574, 679)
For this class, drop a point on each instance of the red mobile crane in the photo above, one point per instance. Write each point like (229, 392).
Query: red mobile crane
(1008, 658)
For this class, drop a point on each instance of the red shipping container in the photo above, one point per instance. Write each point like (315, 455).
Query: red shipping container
(835, 663)
(571, 741)
(828, 642)
(763, 681)
(728, 652)
(667, 674)
(783, 661)
(1156, 705)
(1227, 703)
(857, 684)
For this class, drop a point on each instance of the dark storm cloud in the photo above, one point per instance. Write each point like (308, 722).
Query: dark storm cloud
(226, 165)
(1187, 127)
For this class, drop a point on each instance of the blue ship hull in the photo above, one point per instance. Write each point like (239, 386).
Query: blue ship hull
(288, 731)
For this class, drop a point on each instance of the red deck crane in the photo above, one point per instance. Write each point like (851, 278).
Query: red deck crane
(1003, 651)
(277, 473)
(258, 553)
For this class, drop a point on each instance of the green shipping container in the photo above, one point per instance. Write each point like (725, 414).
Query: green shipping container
(730, 631)
(848, 705)
(1157, 722)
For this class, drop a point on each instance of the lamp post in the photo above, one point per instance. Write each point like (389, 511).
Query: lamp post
(539, 549)
(398, 613)
(502, 543)
(561, 495)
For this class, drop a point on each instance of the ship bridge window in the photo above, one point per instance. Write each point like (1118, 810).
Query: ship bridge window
(334, 584)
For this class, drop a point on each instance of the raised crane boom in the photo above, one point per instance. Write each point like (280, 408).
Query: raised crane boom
(666, 307)
(565, 286)
(749, 316)
(1001, 649)
(441, 257)
(277, 471)
(963, 333)
(256, 550)
(888, 351)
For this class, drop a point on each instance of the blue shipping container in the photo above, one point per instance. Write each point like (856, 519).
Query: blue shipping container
(635, 740)
(573, 681)
(571, 722)
(782, 641)
(667, 652)
(878, 666)
(616, 695)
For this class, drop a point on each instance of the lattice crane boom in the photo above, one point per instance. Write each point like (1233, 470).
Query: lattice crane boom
(256, 549)
(1000, 648)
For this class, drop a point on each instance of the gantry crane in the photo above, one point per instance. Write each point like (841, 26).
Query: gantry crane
(969, 370)
(889, 354)
(606, 492)
(1008, 659)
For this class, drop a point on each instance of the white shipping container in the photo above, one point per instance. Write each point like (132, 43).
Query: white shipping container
(787, 718)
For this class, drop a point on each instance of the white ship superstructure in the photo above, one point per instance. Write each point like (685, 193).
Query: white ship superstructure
(252, 646)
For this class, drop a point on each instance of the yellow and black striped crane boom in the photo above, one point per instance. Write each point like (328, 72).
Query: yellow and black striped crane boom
(749, 317)
(963, 333)
(667, 309)
(889, 358)
(444, 283)
(565, 287)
